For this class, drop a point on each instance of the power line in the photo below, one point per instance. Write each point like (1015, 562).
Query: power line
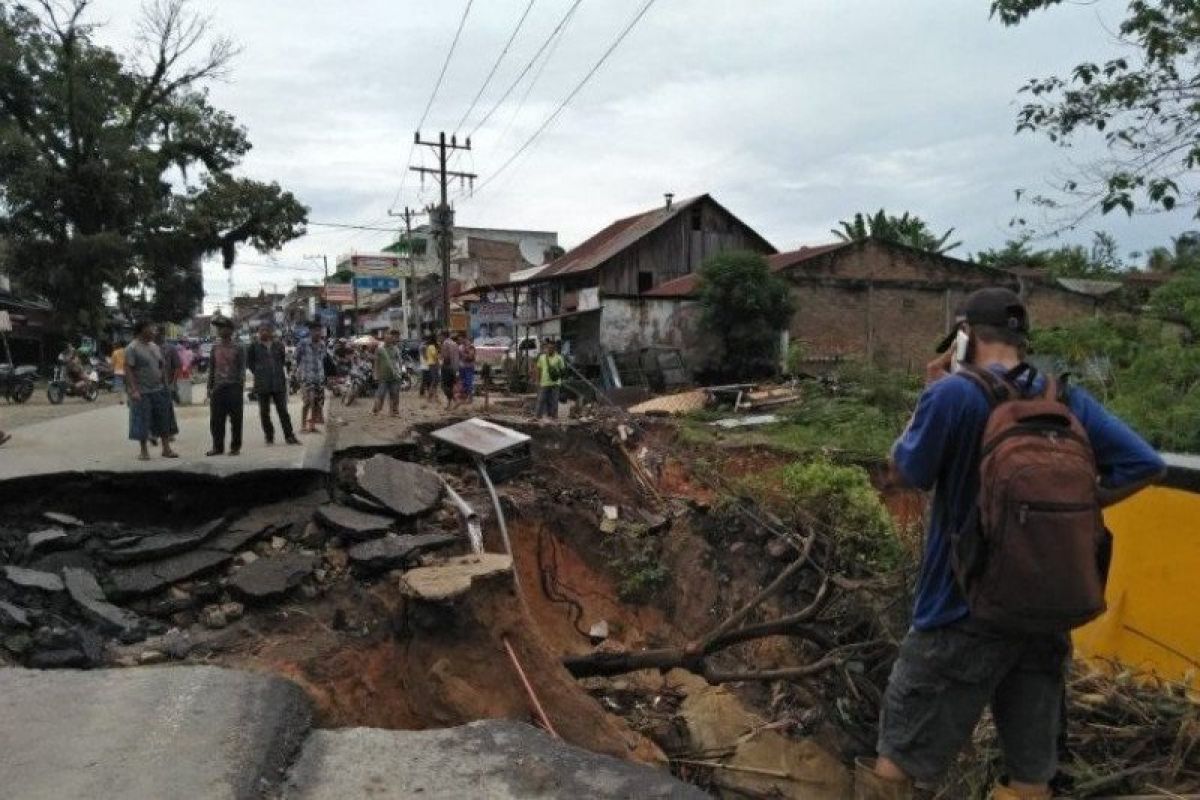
(546, 123)
(491, 74)
(436, 86)
(349, 226)
(526, 69)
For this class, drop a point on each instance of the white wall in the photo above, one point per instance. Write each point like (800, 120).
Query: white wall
(630, 323)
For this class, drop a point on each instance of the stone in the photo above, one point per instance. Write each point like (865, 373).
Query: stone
(608, 526)
(161, 545)
(494, 759)
(56, 561)
(152, 657)
(654, 522)
(599, 631)
(337, 558)
(452, 577)
(196, 732)
(278, 542)
(352, 523)
(86, 592)
(404, 488)
(46, 539)
(365, 504)
(612, 512)
(395, 550)
(177, 644)
(12, 616)
(213, 617)
(737, 547)
(151, 577)
(313, 535)
(780, 550)
(247, 557)
(271, 578)
(233, 611)
(62, 519)
(33, 579)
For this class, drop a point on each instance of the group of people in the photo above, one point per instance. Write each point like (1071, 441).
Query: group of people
(449, 366)
(178, 361)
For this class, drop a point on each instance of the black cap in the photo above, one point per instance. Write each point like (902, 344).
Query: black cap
(996, 307)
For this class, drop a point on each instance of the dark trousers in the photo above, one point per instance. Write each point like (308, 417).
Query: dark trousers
(280, 400)
(226, 404)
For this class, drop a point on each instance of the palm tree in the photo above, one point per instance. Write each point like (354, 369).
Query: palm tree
(906, 229)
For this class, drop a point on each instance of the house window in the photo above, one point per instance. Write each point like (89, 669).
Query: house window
(645, 282)
(697, 219)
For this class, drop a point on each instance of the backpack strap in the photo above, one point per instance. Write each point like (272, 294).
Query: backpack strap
(996, 389)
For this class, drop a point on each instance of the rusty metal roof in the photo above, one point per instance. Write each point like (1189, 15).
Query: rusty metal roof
(685, 285)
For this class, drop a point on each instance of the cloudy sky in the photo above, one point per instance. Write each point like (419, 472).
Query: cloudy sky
(792, 113)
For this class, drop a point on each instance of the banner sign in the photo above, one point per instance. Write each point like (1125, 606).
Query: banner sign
(377, 284)
(339, 293)
(490, 313)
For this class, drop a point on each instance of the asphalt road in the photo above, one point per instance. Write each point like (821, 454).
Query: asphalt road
(38, 409)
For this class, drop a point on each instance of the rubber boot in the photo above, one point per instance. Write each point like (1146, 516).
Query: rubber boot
(1002, 792)
(870, 786)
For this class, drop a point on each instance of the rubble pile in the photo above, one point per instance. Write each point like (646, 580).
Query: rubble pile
(73, 591)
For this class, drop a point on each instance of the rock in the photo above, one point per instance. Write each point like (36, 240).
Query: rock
(365, 504)
(32, 579)
(394, 550)
(452, 577)
(599, 631)
(271, 578)
(405, 488)
(507, 760)
(321, 575)
(313, 535)
(124, 541)
(233, 611)
(737, 547)
(612, 512)
(213, 617)
(608, 526)
(55, 562)
(161, 545)
(55, 638)
(152, 657)
(247, 557)
(13, 616)
(654, 522)
(177, 644)
(155, 576)
(18, 643)
(65, 520)
(87, 594)
(337, 558)
(66, 658)
(780, 550)
(46, 539)
(351, 523)
(278, 542)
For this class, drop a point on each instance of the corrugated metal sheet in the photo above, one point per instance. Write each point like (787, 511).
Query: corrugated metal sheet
(685, 285)
(1090, 287)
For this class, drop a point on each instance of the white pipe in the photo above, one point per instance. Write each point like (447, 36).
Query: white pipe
(487, 479)
(470, 519)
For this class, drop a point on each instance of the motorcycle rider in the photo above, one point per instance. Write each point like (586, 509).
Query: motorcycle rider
(73, 370)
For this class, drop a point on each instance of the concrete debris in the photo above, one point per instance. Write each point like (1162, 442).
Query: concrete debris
(394, 550)
(149, 657)
(271, 578)
(33, 579)
(404, 488)
(151, 577)
(46, 539)
(247, 557)
(86, 592)
(12, 616)
(452, 577)
(63, 519)
(682, 403)
(612, 512)
(164, 544)
(746, 422)
(351, 523)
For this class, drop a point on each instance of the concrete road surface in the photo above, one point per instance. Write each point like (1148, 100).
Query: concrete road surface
(97, 440)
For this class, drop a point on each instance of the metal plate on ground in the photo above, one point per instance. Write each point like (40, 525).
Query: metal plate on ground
(480, 437)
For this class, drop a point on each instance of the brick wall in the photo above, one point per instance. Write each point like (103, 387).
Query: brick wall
(1048, 306)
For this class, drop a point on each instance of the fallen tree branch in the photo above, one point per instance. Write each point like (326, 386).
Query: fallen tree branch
(770, 589)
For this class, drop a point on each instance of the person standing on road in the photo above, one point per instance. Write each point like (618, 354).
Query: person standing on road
(450, 365)
(429, 369)
(983, 645)
(388, 360)
(151, 413)
(310, 364)
(226, 379)
(265, 359)
(171, 364)
(118, 367)
(466, 370)
(548, 372)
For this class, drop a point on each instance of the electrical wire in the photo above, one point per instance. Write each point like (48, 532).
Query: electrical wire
(433, 95)
(579, 86)
(526, 68)
(536, 77)
(492, 73)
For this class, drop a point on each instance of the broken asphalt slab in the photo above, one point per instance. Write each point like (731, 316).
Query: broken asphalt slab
(161, 545)
(203, 733)
(86, 592)
(404, 488)
(33, 579)
(392, 551)
(271, 578)
(452, 577)
(496, 759)
(154, 576)
(352, 523)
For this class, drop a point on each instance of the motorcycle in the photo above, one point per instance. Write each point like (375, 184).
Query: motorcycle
(408, 371)
(61, 387)
(104, 373)
(360, 382)
(16, 383)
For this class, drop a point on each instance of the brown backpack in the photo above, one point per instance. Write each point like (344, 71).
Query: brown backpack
(1034, 557)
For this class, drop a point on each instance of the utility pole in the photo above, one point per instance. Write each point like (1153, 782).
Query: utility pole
(324, 260)
(412, 270)
(442, 217)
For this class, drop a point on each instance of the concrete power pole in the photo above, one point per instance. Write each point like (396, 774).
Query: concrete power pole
(412, 270)
(442, 217)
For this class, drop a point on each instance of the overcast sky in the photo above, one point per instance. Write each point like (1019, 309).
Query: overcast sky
(792, 113)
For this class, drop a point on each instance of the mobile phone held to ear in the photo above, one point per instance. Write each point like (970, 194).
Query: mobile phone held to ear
(961, 351)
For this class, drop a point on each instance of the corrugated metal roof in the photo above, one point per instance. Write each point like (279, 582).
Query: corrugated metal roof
(1087, 286)
(685, 285)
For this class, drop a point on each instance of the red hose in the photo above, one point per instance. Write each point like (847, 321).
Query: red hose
(533, 698)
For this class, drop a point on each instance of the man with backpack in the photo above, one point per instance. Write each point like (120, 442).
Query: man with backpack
(548, 372)
(1015, 554)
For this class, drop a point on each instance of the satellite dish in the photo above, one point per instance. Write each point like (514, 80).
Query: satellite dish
(533, 251)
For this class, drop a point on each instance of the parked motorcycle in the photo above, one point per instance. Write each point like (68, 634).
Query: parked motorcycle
(360, 382)
(61, 386)
(16, 383)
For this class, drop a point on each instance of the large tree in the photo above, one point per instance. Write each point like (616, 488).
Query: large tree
(745, 305)
(906, 229)
(1101, 261)
(1145, 104)
(115, 170)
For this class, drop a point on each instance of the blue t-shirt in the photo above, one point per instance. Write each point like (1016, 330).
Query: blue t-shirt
(940, 450)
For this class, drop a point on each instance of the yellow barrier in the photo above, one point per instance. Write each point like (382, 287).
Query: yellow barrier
(1153, 617)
